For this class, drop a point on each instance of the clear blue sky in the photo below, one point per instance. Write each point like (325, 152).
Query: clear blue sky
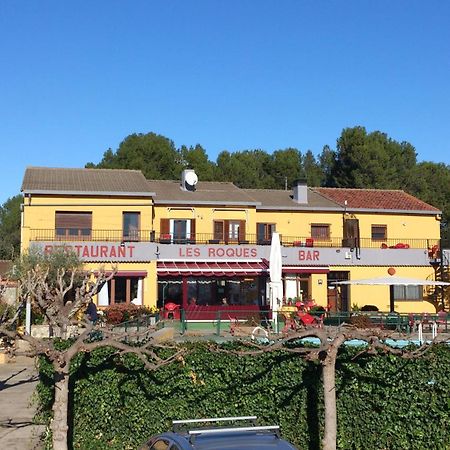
(77, 77)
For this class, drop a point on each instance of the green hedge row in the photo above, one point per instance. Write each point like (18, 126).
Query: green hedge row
(384, 402)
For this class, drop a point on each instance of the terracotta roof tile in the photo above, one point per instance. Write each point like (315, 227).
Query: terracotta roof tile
(376, 199)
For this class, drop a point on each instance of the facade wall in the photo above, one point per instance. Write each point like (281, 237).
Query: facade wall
(401, 226)
(380, 295)
(205, 216)
(107, 214)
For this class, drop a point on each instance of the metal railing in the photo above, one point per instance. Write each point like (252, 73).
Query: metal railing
(247, 320)
(101, 235)
(244, 322)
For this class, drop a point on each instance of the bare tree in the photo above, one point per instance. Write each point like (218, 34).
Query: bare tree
(49, 293)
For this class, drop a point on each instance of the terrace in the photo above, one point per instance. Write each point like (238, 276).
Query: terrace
(88, 235)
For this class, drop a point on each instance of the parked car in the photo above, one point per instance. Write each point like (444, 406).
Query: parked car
(246, 436)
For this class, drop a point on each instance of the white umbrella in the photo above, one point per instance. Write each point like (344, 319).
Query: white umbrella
(393, 280)
(275, 268)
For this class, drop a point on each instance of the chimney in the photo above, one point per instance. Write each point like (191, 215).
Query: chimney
(300, 191)
(188, 180)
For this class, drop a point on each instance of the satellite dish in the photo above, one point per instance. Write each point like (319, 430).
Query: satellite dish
(190, 180)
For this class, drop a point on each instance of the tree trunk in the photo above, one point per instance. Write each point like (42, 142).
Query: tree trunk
(329, 394)
(60, 408)
(329, 388)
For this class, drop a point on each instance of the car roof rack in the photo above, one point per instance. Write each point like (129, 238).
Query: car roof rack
(196, 432)
(177, 423)
(275, 429)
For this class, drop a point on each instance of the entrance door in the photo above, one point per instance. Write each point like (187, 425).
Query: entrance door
(351, 233)
(338, 295)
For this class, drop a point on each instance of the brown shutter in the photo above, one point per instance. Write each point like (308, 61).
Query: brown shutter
(218, 230)
(164, 226)
(242, 230)
(73, 220)
(193, 230)
(226, 231)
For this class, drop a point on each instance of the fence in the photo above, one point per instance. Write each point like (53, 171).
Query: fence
(97, 235)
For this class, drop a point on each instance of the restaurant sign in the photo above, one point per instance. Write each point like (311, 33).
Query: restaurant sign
(104, 251)
(151, 251)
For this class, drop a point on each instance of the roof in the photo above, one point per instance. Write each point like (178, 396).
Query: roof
(132, 183)
(376, 199)
(206, 192)
(283, 199)
(44, 180)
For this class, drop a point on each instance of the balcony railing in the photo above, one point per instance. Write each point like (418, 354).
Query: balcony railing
(211, 239)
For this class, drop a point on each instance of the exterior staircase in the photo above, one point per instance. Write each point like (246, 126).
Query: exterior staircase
(440, 296)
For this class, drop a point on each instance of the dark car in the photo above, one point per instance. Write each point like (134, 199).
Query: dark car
(247, 435)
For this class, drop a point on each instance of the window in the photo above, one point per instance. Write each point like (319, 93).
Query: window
(233, 230)
(320, 231)
(408, 293)
(229, 230)
(379, 232)
(125, 290)
(177, 230)
(73, 225)
(264, 232)
(131, 224)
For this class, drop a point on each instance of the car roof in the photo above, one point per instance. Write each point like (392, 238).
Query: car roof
(248, 440)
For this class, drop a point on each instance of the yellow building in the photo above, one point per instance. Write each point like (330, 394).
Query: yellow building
(173, 241)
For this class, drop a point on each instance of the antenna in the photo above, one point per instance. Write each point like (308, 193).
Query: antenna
(188, 180)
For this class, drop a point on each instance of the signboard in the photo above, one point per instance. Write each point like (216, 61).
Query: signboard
(104, 251)
(151, 251)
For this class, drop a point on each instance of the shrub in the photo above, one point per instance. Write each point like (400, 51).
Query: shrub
(383, 401)
(123, 312)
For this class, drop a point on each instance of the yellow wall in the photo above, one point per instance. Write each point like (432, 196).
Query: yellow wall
(319, 289)
(401, 226)
(379, 295)
(398, 226)
(294, 224)
(39, 212)
(150, 285)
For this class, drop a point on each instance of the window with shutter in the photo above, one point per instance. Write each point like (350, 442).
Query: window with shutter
(379, 232)
(264, 232)
(320, 231)
(73, 225)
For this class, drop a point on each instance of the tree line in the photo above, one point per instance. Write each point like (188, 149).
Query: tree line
(361, 159)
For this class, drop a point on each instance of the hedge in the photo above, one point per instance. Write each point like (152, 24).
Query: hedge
(384, 401)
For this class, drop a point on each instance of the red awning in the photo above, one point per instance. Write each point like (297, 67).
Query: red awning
(210, 269)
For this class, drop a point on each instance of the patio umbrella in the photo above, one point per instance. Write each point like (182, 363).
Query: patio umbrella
(275, 268)
(392, 280)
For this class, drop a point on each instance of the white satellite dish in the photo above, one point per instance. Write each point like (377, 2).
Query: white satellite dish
(190, 180)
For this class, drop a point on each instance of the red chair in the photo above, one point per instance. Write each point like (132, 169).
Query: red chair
(171, 311)
(307, 319)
